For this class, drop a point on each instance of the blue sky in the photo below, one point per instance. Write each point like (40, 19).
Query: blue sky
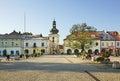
(102, 14)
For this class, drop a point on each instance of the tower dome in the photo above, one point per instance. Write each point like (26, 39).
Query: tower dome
(54, 30)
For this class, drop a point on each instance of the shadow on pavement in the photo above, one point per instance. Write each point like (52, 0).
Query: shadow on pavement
(74, 67)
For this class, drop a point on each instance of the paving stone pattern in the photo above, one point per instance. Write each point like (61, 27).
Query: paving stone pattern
(56, 68)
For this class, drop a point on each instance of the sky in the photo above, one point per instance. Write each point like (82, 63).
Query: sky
(102, 14)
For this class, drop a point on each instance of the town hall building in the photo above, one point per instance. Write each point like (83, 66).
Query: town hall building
(16, 43)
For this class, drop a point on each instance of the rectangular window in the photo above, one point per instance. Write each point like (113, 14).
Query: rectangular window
(5, 43)
(12, 43)
(42, 45)
(107, 44)
(34, 45)
(118, 44)
(16, 44)
(53, 39)
(26, 45)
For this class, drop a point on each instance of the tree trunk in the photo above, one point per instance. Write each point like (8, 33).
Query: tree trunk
(83, 47)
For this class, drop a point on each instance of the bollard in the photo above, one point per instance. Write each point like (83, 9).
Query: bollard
(116, 65)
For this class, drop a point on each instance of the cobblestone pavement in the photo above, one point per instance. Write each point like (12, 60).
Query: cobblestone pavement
(57, 68)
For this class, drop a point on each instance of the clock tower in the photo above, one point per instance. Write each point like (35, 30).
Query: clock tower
(54, 39)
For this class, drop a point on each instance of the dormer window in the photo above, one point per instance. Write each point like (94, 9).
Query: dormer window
(107, 38)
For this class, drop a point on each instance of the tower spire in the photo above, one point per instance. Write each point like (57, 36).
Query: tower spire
(54, 23)
(54, 30)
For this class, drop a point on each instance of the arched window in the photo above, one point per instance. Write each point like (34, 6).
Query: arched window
(76, 51)
(90, 51)
(12, 52)
(26, 51)
(34, 51)
(69, 51)
(42, 51)
(4, 52)
(96, 52)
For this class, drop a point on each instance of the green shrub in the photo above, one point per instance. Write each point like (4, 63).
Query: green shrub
(100, 59)
(35, 54)
(38, 54)
(106, 54)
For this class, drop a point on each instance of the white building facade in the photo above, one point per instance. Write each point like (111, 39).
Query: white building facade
(104, 41)
(36, 44)
(16, 43)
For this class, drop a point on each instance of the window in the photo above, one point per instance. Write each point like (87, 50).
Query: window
(96, 43)
(107, 44)
(26, 44)
(42, 44)
(118, 44)
(26, 51)
(5, 43)
(34, 44)
(42, 51)
(34, 51)
(12, 52)
(12, 43)
(107, 38)
(53, 39)
(17, 52)
(16, 44)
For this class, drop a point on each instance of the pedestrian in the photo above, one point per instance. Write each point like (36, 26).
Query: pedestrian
(8, 57)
